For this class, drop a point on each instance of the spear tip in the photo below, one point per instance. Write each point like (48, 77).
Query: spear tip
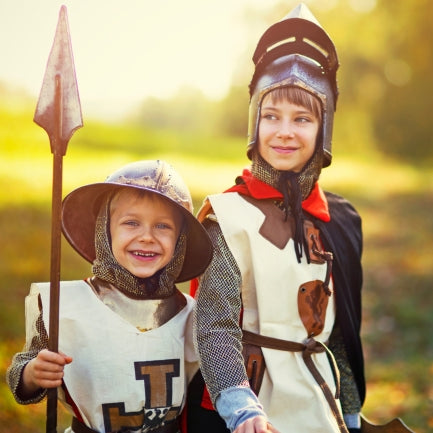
(58, 110)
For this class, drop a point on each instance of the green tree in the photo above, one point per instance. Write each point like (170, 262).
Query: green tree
(403, 119)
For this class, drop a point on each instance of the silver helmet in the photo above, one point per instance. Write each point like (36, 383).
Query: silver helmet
(295, 52)
(81, 208)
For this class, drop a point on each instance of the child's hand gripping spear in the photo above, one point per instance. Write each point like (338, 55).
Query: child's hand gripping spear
(58, 112)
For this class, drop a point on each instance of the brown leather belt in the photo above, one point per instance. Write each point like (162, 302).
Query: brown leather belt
(79, 427)
(308, 348)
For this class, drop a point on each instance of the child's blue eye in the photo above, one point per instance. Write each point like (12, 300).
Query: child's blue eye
(269, 116)
(130, 223)
(163, 226)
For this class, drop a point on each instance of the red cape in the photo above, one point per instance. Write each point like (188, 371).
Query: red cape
(315, 204)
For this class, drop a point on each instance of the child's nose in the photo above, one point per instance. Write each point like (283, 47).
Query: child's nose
(146, 234)
(285, 129)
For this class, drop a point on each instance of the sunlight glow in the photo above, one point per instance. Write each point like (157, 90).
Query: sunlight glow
(125, 51)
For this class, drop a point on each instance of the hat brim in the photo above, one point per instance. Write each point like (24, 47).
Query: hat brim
(80, 209)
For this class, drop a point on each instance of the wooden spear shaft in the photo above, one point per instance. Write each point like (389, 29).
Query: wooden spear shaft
(56, 230)
(56, 215)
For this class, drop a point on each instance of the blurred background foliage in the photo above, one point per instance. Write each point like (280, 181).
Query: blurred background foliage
(383, 154)
(385, 80)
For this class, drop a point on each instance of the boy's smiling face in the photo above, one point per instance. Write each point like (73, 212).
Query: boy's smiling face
(144, 230)
(287, 134)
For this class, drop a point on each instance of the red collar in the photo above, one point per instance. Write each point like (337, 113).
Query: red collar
(315, 204)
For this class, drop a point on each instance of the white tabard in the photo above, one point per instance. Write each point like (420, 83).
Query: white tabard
(119, 376)
(271, 278)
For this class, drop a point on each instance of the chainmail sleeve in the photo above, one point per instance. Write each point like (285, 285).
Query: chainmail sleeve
(349, 396)
(36, 340)
(217, 333)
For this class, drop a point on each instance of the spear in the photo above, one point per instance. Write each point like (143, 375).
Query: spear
(58, 111)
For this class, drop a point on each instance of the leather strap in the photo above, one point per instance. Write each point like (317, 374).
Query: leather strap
(310, 347)
(271, 343)
(79, 427)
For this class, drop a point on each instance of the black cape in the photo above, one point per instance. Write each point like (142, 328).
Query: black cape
(342, 236)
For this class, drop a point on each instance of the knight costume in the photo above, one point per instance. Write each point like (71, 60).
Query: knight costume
(286, 274)
(130, 338)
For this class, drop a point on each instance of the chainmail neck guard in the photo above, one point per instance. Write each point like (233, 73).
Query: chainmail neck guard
(158, 286)
(295, 188)
(305, 180)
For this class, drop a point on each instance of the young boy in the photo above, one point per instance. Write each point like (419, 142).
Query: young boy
(279, 308)
(125, 350)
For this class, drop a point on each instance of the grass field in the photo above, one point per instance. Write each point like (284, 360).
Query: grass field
(395, 201)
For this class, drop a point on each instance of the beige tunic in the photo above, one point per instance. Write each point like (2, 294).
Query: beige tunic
(271, 279)
(120, 376)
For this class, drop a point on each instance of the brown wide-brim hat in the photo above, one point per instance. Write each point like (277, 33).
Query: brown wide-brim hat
(81, 208)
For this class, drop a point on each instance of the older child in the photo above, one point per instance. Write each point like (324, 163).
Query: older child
(279, 307)
(125, 349)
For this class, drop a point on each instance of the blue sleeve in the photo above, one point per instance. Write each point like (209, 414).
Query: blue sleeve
(236, 405)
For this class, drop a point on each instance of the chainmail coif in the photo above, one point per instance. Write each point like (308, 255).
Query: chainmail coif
(158, 286)
(305, 179)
